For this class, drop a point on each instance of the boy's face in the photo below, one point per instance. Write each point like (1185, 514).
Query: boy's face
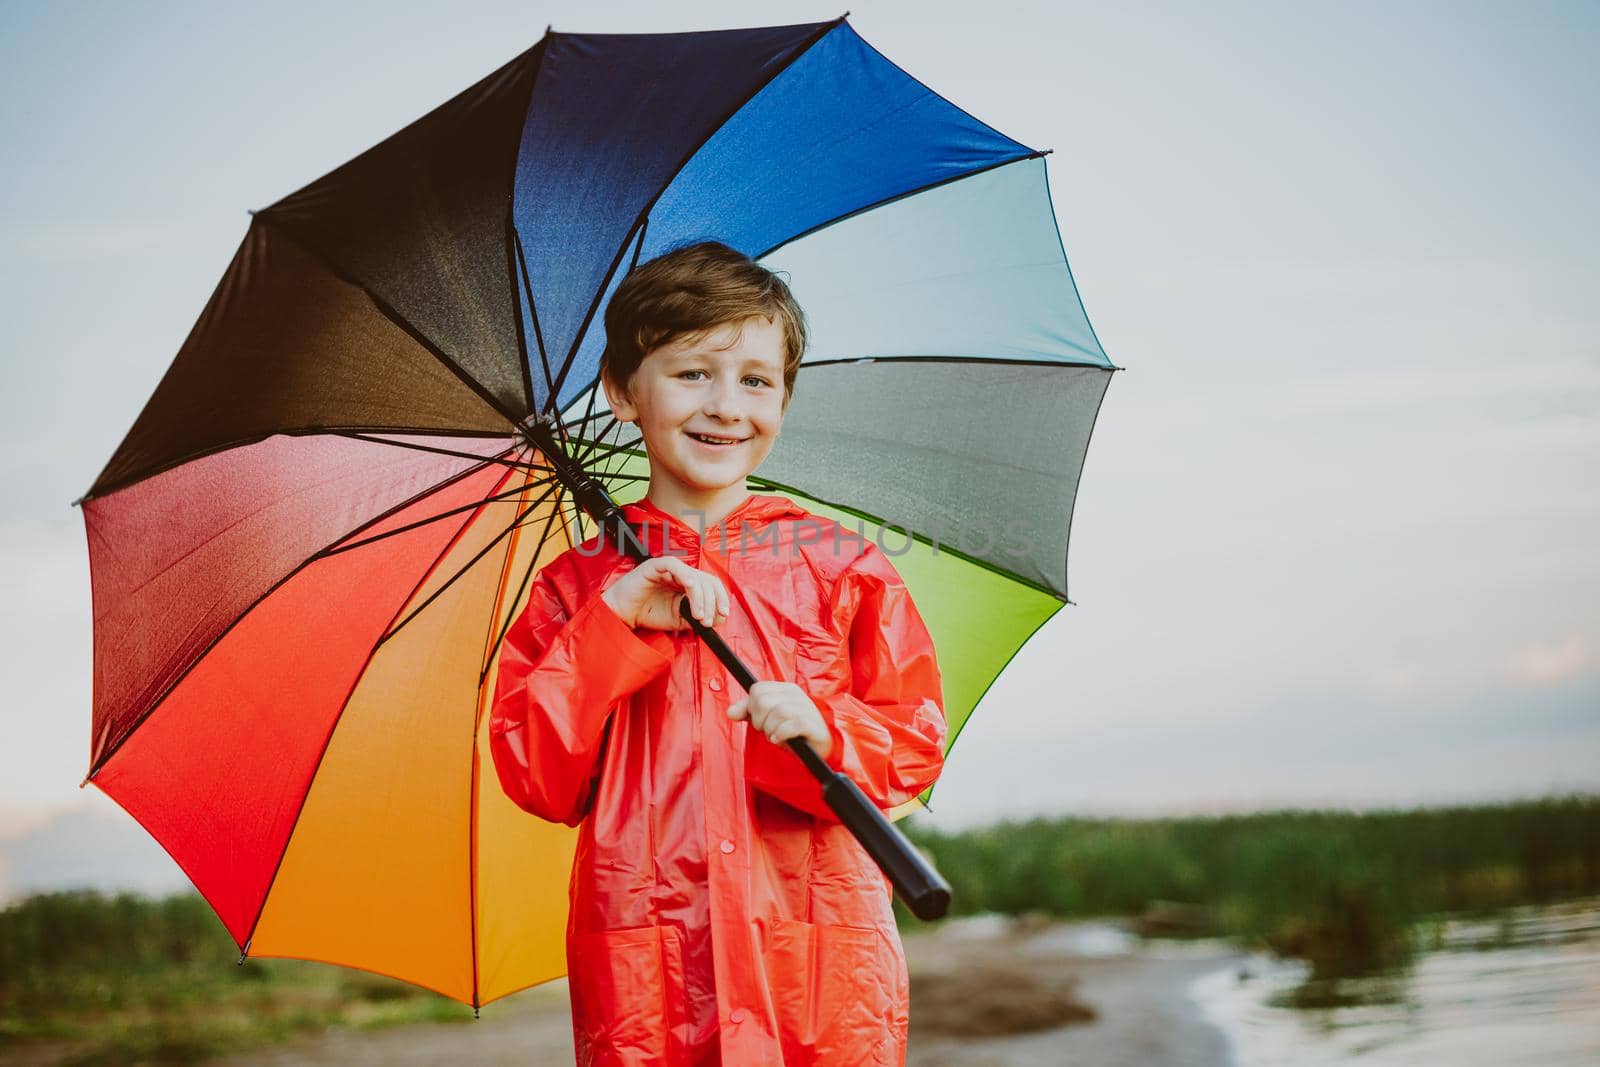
(709, 408)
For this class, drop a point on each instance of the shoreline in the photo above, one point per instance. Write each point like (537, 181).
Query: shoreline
(1139, 992)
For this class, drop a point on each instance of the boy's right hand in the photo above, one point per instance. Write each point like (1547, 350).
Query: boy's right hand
(648, 595)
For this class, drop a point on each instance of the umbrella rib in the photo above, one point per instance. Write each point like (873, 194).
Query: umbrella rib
(1072, 505)
(1005, 361)
(397, 627)
(636, 238)
(593, 440)
(513, 256)
(333, 726)
(473, 782)
(598, 454)
(951, 742)
(579, 427)
(591, 454)
(672, 175)
(522, 587)
(1050, 203)
(358, 435)
(299, 431)
(611, 466)
(533, 313)
(575, 522)
(768, 483)
(273, 588)
(506, 568)
(526, 465)
(400, 322)
(346, 546)
(1036, 154)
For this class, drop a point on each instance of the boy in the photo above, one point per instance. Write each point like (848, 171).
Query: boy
(720, 913)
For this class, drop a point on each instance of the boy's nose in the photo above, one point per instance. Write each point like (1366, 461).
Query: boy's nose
(722, 402)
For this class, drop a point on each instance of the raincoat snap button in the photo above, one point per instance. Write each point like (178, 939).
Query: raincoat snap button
(716, 685)
(727, 847)
(736, 1015)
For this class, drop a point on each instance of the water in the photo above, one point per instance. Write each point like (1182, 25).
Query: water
(1522, 988)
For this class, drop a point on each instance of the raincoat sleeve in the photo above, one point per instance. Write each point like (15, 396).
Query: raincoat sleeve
(560, 677)
(884, 712)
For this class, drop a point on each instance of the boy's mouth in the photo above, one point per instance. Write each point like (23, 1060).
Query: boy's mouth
(718, 442)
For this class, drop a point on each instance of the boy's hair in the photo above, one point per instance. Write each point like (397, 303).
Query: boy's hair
(690, 290)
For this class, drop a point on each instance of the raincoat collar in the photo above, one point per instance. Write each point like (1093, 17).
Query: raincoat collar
(757, 510)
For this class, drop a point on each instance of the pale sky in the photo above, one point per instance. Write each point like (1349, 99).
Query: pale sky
(1334, 542)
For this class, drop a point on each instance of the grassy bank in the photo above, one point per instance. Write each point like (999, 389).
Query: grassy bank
(1347, 891)
(129, 979)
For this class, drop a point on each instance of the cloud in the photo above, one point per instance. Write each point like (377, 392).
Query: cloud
(1393, 679)
(1553, 663)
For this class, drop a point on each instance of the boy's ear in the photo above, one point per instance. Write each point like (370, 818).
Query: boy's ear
(622, 405)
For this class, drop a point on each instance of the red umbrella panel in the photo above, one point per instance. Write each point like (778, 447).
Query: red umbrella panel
(357, 582)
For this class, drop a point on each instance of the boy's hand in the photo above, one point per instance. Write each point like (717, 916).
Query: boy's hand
(648, 595)
(782, 710)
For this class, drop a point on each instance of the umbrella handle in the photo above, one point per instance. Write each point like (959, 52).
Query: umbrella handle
(918, 882)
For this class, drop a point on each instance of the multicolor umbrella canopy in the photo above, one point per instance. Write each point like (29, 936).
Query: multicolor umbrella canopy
(307, 549)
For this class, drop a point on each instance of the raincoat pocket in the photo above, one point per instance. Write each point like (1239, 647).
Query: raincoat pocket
(626, 988)
(837, 992)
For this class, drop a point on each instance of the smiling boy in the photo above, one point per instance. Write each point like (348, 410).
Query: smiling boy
(720, 913)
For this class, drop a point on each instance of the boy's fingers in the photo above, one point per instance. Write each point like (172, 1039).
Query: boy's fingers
(737, 710)
(677, 570)
(708, 603)
(692, 601)
(756, 712)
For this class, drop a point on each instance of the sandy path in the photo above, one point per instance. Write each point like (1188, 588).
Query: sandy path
(529, 1029)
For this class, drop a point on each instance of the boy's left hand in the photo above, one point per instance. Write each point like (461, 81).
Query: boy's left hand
(781, 710)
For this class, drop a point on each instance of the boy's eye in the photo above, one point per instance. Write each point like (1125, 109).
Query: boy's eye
(756, 380)
(687, 373)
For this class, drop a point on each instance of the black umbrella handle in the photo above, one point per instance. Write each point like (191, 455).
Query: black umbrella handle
(919, 884)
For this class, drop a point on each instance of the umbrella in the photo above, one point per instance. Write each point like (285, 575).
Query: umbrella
(308, 547)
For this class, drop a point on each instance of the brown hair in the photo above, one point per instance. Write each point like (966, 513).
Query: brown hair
(691, 290)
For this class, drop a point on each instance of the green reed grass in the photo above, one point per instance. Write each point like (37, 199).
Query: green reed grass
(1343, 890)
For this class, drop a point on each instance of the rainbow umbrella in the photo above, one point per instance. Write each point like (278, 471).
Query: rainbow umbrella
(309, 546)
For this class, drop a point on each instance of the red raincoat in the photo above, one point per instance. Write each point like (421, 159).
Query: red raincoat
(720, 912)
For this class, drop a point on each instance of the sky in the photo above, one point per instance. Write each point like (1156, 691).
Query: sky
(1334, 539)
